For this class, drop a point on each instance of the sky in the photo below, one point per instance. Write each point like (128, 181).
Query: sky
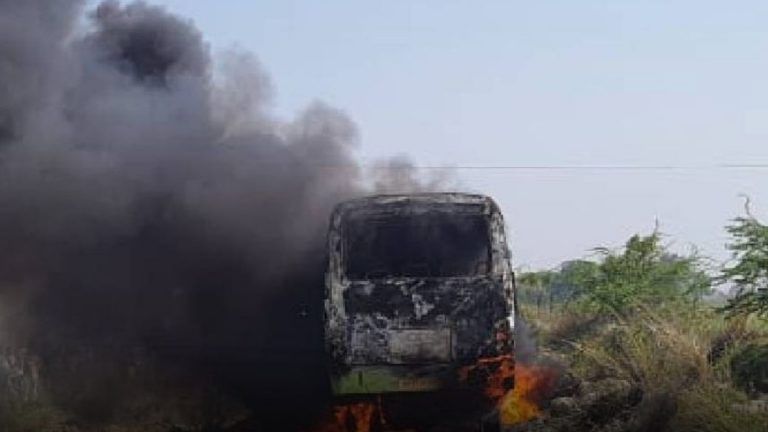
(673, 91)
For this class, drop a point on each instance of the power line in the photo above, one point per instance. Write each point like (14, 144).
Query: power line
(740, 166)
(580, 168)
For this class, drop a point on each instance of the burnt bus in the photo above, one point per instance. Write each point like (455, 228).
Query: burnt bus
(418, 287)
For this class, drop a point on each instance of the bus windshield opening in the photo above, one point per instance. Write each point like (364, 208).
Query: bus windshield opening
(434, 244)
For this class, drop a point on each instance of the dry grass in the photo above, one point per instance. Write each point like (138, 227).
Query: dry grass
(664, 351)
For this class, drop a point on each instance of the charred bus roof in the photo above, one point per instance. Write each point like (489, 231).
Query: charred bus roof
(423, 201)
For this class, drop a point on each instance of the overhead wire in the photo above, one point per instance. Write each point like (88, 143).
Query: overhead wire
(737, 166)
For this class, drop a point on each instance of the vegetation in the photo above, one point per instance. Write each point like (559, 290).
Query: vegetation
(749, 367)
(671, 353)
(640, 314)
(643, 272)
(749, 271)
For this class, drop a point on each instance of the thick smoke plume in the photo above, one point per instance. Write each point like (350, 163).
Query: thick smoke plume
(146, 201)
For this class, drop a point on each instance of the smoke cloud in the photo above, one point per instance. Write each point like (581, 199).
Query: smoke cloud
(149, 199)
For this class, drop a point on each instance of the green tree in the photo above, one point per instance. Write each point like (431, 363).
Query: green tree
(535, 286)
(573, 278)
(644, 272)
(749, 269)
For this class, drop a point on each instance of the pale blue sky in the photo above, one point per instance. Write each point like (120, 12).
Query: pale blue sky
(457, 82)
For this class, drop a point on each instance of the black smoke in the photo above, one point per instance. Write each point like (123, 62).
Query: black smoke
(149, 199)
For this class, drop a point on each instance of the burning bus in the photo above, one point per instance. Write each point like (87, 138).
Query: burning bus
(419, 292)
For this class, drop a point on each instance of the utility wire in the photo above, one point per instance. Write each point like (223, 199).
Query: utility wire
(412, 167)
(740, 166)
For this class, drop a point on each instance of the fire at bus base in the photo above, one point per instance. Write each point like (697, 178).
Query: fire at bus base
(419, 308)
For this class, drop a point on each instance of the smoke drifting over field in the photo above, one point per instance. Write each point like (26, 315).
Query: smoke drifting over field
(145, 203)
(129, 198)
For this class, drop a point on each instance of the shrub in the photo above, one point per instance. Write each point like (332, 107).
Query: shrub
(749, 367)
(749, 271)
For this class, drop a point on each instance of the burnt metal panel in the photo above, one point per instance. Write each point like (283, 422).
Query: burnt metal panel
(431, 345)
(395, 333)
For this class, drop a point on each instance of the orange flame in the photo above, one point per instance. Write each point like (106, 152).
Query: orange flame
(516, 404)
(498, 373)
(517, 390)
(354, 417)
(532, 384)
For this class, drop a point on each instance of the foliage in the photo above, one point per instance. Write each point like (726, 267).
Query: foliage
(634, 323)
(572, 279)
(749, 271)
(645, 273)
(535, 286)
(749, 367)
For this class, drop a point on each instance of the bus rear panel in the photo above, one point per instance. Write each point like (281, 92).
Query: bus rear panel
(418, 288)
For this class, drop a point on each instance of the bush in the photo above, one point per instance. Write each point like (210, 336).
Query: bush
(749, 272)
(749, 368)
